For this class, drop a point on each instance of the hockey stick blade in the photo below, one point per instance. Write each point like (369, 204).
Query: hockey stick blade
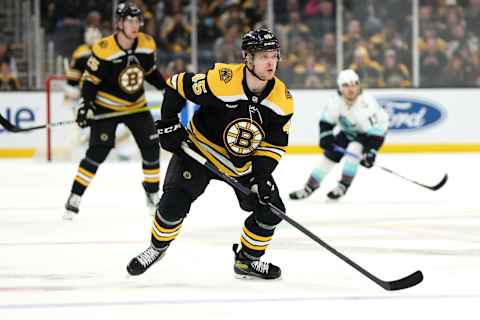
(404, 283)
(8, 126)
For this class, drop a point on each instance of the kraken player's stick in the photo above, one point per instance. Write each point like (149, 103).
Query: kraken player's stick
(403, 283)
(433, 188)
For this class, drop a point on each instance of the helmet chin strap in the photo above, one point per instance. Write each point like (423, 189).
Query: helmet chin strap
(252, 71)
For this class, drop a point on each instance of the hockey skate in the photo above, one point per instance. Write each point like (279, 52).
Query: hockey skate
(339, 191)
(245, 268)
(72, 207)
(144, 260)
(303, 193)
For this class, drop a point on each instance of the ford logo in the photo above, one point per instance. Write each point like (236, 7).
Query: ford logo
(407, 113)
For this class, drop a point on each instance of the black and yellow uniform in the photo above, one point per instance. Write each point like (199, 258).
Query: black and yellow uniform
(242, 134)
(78, 64)
(114, 81)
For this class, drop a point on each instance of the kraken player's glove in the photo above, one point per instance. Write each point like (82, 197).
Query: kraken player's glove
(85, 114)
(369, 158)
(327, 139)
(263, 187)
(171, 134)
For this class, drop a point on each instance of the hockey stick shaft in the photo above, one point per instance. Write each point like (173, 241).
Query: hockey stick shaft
(433, 188)
(12, 128)
(403, 283)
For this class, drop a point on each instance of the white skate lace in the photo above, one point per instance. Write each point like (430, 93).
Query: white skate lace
(148, 256)
(260, 266)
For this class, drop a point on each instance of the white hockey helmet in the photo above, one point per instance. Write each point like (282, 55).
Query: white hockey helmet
(347, 76)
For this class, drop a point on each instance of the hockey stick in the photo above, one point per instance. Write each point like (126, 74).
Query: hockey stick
(403, 283)
(12, 128)
(433, 188)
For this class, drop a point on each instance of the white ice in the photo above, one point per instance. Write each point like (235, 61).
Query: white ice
(53, 269)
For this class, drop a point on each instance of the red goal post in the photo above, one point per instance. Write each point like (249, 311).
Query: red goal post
(59, 140)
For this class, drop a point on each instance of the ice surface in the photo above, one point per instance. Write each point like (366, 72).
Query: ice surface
(54, 269)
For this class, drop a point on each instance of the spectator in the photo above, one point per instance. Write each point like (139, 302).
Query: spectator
(395, 74)
(319, 16)
(455, 73)
(176, 33)
(369, 71)
(293, 30)
(6, 55)
(432, 63)
(311, 75)
(8, 82)
(228, 49)
(328, 50)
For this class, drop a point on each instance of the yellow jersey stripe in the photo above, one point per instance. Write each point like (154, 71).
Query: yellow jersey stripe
(85, 172)
(256, 237)
(81, 181)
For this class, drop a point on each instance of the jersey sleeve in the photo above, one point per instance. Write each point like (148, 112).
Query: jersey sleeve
(330, 113)
(193, 87)
(377, 118)
(96, 69)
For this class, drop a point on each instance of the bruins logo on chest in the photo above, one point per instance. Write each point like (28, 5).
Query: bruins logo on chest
(131, 78)
(242, 136)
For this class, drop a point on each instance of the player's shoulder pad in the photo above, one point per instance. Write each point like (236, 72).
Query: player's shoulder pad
(280, 99)
(225, 81)
(82, 51)
(146, 44)
(369, 99)
(107, 49)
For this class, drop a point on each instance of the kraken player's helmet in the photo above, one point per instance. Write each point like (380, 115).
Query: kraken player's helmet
(128, 9)
(259, 40)
(347, 77)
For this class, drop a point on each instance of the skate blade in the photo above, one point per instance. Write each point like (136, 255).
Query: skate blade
(254, 278)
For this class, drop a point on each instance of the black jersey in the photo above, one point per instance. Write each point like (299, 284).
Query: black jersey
(118, 75)
(232, 125)
(78, 64)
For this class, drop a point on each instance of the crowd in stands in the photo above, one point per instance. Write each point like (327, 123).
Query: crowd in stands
(376, 41)
(8, 67)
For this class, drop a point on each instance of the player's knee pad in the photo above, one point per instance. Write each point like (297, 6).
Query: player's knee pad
(174, 205)
(98, 153)
(150, 153)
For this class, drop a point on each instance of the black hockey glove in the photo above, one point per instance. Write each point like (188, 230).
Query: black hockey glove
(84, 114)
(171, 134)
(327, 139)
(369, 158)
(327, 142)
(263, 187)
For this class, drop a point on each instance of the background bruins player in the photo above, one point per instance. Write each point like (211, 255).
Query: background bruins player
(113, 81)
(242, 128)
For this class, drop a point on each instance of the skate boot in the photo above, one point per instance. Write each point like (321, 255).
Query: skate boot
(302, 193)
(72, 207)
(144, 260)
(339, 191)
(245, 268)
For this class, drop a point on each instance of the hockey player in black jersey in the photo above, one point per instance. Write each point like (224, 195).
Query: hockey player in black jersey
(113, 81)
(242, 128)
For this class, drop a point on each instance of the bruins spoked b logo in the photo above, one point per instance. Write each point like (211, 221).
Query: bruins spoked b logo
(242, 136)
(131, 79)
